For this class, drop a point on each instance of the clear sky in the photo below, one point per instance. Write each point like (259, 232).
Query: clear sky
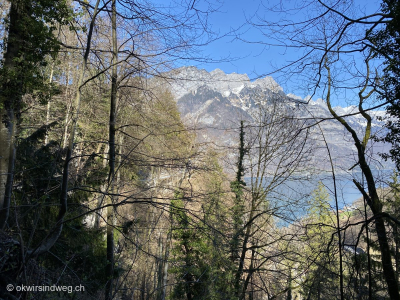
(232, 54)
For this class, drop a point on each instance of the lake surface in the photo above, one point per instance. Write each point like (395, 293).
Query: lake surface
(290, 199)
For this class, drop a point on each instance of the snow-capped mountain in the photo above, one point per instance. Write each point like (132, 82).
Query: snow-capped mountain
(214, 103)
(189, 79)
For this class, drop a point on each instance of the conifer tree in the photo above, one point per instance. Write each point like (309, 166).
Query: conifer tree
(238, 213)
(321, 281)
(191, 251)
(31, 26)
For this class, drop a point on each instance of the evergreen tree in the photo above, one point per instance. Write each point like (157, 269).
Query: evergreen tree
(192, 253)
(31, 26)
(393, 208)
(238, 215)
(386, 44)
(322, 280)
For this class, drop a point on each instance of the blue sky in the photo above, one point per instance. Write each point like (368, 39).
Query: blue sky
(252, 58)
(232, 54)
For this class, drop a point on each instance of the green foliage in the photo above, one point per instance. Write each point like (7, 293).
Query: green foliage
(36, 174)
(238, 207)
(360, 267)
(392, 203)
(78, 257)
(201, 260)
(392, 206)
(319, 209)
(386, 44)
(31, 37)
(322, 278)
(216, 221)
(191, 252)
(83, 251)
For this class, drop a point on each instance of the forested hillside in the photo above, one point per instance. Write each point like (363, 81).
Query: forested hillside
(125, 177)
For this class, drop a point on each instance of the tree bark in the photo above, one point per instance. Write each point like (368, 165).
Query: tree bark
(372, 197)
(52, 238)
(111, 142)
(10, 105)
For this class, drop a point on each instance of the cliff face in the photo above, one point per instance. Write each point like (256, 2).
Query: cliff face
(214, 103)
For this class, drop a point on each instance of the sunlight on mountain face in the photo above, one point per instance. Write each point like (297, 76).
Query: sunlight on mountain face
(217, 100)
(128, 173)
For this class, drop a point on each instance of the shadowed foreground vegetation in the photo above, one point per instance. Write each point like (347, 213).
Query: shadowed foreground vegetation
(102, 186)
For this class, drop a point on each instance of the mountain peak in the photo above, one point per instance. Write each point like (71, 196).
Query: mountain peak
(215, 102)
(190, 78)
(217, 72)
(269, 83)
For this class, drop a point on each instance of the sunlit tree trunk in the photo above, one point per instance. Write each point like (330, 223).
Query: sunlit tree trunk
(372, 196)
(166, 265)
(46, 139)
(54, 235)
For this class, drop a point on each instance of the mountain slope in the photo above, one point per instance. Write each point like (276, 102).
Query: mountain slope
(214, 104)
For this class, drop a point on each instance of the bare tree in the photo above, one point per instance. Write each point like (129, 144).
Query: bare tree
(337, 59)
(276, 147)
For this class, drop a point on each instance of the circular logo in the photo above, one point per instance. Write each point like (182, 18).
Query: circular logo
(10, 287)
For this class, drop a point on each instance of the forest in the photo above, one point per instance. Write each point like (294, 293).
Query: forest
(106, 192)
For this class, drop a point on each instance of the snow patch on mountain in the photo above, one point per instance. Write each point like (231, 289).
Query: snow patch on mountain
(189, 79)
(215, 102)
(318, 102)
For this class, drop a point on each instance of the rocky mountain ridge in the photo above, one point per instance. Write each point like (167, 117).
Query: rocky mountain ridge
(189, 79)
(213, 103)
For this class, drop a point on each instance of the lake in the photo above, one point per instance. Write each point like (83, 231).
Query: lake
(290, 199)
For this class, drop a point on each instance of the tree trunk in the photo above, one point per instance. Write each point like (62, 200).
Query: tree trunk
(165, 279)
(53, 236)
(10, 105)
(160, 268)
(372, 197)
(376, 207)
(241, 292)
(111, 142)
(46, 139)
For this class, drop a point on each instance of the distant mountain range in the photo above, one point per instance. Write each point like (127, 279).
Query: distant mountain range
(214, 103)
